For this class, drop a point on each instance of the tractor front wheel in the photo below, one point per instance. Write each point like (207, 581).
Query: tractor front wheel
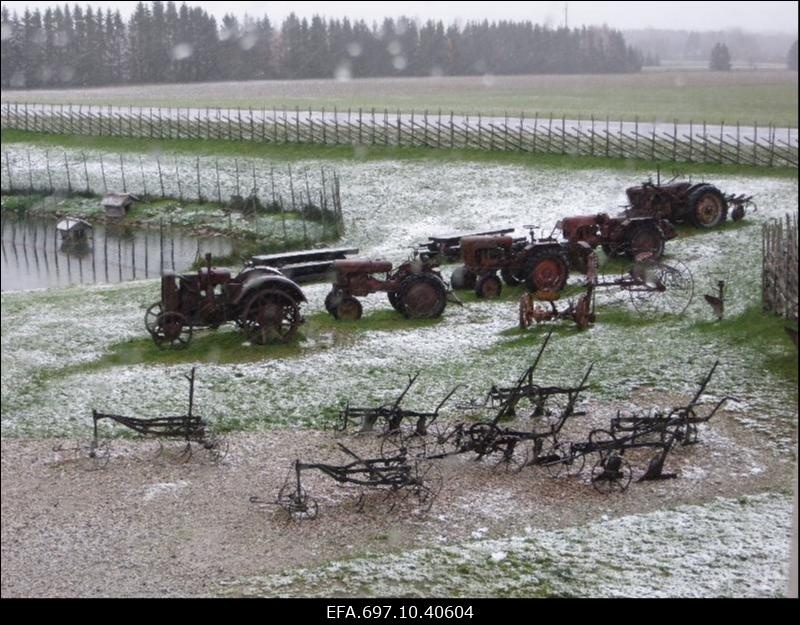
(644, 239)
(349, 309)
(462, 278)
(546, 271)
(422, 296)
(488, 286)
(707, 207)
(171, 329)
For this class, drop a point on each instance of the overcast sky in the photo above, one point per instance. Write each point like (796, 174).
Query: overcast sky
(750, 16)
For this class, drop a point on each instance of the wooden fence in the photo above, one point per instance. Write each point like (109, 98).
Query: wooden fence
(690, 143)
(779, 272)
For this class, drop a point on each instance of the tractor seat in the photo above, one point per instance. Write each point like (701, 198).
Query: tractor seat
(362, 265)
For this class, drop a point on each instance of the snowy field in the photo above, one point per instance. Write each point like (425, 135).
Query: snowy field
(61, 359)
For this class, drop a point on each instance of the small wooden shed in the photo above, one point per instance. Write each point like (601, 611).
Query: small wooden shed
(117, 204)
(74, 230)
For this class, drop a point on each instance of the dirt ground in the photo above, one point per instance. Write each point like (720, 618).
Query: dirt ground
(148, 525)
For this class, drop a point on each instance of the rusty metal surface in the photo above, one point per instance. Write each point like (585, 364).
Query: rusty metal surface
(260, 300)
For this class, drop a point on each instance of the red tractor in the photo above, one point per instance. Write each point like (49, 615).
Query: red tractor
(701, 204)
(415, 288)
(618, 236)
(541, 264)
(260, 300)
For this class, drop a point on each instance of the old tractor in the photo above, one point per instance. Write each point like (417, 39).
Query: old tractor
(701, 204)
(541, 264)
(260, 300)
(617, 236)
(415, 288)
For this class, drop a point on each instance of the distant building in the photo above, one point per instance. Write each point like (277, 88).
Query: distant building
(117, 204)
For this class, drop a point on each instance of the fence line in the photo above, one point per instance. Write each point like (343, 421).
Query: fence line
(779, 270)
(249, 191)
(690, 143)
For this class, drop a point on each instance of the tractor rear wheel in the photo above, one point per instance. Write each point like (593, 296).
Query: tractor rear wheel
(422, 296)
(271, 317)
(349, 309)
(488, 286)
(707, 207)
(462, 278)
(546, 271)
(644, 239)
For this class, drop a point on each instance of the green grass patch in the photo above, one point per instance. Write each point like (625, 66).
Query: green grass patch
(293, 152)
(763, 333)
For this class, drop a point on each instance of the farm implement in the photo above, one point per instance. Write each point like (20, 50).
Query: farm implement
(396, 475)
(264, 303)
(188, 428)
(657, 431)
(392, 415)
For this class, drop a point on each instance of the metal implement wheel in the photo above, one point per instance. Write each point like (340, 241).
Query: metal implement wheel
(271, 317)
(559, 459)
(462, 278)
(707, 207)
(422, 296)
(349, 309)
(488, 286)
(394, 444)
(603, 442)
(546, 271)
(610, 474)
(427, 483)
(661, 289)
(644, 239)
(298, 504)
(172, 329)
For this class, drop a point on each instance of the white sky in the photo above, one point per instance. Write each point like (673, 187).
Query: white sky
(750, 16)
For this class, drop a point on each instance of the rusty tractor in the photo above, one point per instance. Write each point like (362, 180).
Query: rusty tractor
(414, 288)
(541, 264)
(701, 204)
(617, 236)
(260, 300)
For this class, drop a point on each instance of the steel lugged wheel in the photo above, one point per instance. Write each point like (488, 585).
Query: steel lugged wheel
(349, 309)
(662, 288)
(172, 329)
(546, 271)
(151, 318)
(612, 473)
(423, 296)
(707, 207)
(271, 317)
(462, 278)
(488, 287)
(298, 504)
(559, 459)
(644, 239)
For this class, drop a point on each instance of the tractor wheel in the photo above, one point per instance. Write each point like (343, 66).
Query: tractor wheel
(332, 301)
(644, 239)
(546, 271)
(394, 300)
(512, 277)
(349, 309)
(462, 278)
(488, 286)
(172, 329)
(271, 317)
(707, 207)
(422, 296)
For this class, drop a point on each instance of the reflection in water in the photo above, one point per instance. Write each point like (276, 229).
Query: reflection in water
(34, 257)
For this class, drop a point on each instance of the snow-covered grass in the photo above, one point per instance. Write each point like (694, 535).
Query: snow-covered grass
(725, 548)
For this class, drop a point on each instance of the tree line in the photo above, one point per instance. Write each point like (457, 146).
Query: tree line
(161, 42)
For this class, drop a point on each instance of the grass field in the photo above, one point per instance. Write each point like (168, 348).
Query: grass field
(766, 96)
